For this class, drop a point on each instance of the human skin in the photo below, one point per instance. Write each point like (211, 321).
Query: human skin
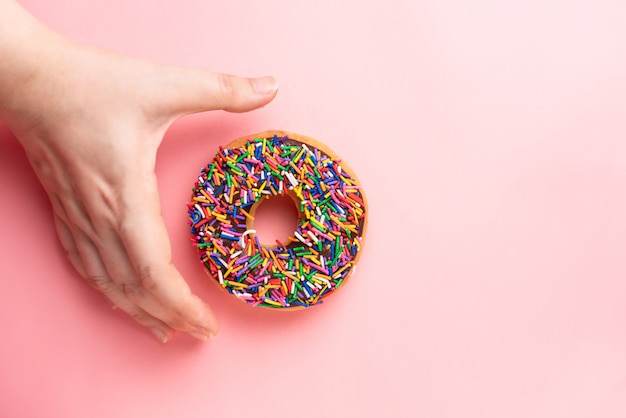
(91, 122)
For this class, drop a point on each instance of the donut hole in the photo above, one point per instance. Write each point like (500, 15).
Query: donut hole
(276, 218)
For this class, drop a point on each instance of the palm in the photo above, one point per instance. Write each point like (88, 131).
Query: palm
(93, 144)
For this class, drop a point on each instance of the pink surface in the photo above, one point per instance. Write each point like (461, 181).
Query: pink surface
(489, 137)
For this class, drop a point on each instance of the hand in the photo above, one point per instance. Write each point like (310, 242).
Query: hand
(91, 122)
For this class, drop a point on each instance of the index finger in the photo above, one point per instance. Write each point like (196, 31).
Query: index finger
(145, 239)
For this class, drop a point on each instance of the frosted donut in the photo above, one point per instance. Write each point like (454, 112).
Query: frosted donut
(325, 247)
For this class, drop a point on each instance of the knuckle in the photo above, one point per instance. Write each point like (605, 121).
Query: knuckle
(73, 255)
(145, 282)
(146, 277)
(140, 316)
(100, 282)
(132, 291)
(225, 83)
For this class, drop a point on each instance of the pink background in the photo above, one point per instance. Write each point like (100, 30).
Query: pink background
(490, 138)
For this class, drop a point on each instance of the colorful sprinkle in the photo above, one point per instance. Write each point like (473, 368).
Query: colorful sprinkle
(319, 256)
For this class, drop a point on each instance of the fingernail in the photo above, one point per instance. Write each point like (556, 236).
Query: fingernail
(201, 336)
(161, 336)
(265, 85)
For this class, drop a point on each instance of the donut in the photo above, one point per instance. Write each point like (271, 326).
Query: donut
(323, 252)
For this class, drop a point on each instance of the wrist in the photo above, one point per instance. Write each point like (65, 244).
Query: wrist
(27, 51)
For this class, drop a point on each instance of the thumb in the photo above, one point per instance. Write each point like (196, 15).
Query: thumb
(191, 91)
